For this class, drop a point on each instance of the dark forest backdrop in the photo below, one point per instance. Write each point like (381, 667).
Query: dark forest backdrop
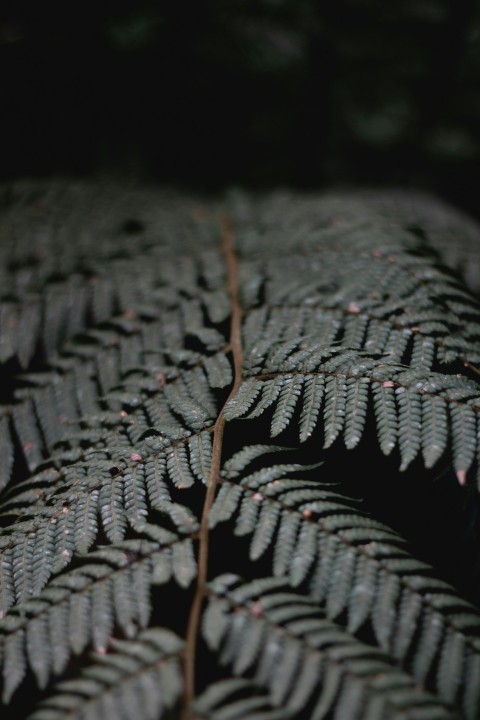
(260, 93)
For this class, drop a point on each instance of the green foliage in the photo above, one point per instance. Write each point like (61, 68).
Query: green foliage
(198, 399)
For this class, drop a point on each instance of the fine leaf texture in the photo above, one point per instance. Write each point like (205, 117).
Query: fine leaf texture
(239, 456)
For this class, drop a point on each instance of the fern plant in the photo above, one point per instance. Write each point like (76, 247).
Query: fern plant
(206, 407)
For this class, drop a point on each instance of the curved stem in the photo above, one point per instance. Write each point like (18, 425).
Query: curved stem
(228, 250)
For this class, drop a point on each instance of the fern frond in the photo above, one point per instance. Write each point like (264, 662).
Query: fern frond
(303, 659)
(48, 541)
(127, 478)
(354, 566)
(112, 585)
(236, 699)
(139, 678)
(336, 398)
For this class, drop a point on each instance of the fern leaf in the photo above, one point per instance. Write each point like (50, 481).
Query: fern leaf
(296, 635)
(384, 609)
(28, 330)
(200, 451)
(58, 627)
(7, 581)
(196, 415)
(184, 564)
(434, 428)
(285, 407)
(451, 670)
(27, 430)
(264, 531)
(463, 422)
(428, 647)
(103, 611)
(270, 392)
(334, 409)
(134, 492)
(22, 566)
(87, 394)
(218, 369)
(320, 538)
(157, 489)
(248, 514)
(78, 621)
(226, 503)
(340, 586)
(85, 601)
(225, 700)
(141, 676)
(86, 521)
(238, 462)
(196, 384)
(6, 452)
(409, 423)
(107, 368)
(304, 554)
(217, 305)
(386, 414)
(43, 556)
(45, 409)
(178, 466)
(314, 388)
(356, 410)
(14, 664)
(409, 612)
(111, 502)
(362, 596)
(77, 307)
(286, 542)
(241, 402)
(423, 351)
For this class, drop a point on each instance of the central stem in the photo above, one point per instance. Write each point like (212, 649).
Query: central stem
(228, 251)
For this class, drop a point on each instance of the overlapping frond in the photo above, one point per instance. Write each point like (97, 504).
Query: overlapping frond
(327, 338)
(357, 568)
(308, 663)
(77, 609)
(158, 350)
(107, 306)
(110, 485)
(139, 678)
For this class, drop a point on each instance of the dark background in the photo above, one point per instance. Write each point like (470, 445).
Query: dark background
(205, 95)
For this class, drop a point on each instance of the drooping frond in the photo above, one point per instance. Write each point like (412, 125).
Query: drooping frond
(136, 326)
(46, 541)
(138, 678)
(332, 387)
(388, 329)
(308, 663)
(80, 608)
(355, 567)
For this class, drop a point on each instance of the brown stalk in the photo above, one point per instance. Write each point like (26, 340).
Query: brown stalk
(228, 250)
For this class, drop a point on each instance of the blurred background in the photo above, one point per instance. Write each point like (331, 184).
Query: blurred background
(259, 93)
